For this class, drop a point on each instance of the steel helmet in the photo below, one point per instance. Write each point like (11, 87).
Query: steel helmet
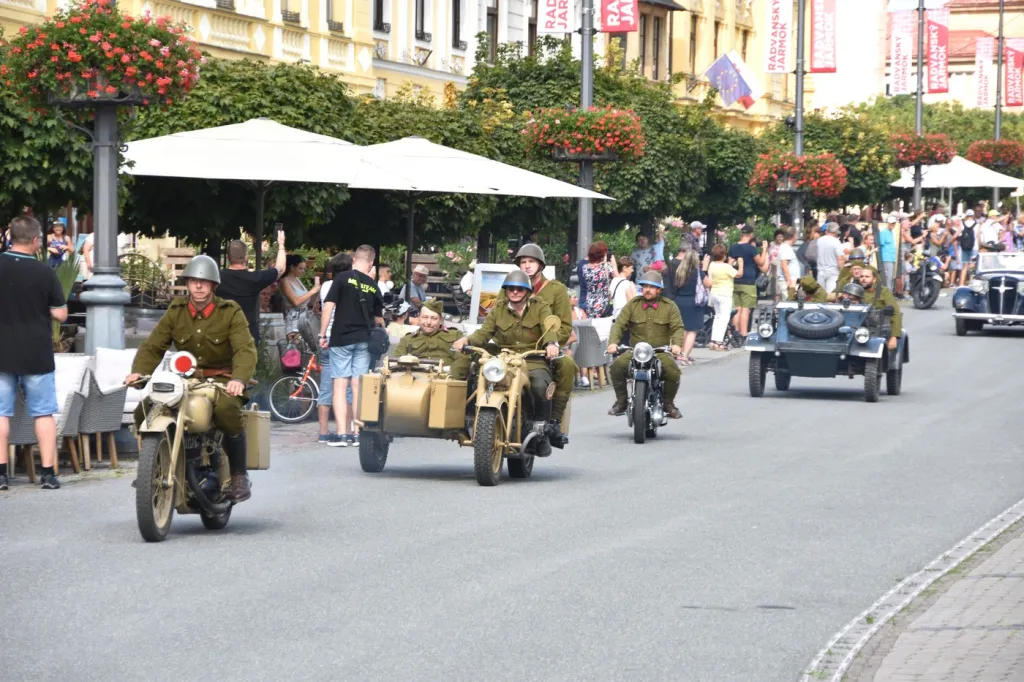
(530, 251)
(202, 267)
(653, 278)
(857, 254)
(854, 289)
(517, 278)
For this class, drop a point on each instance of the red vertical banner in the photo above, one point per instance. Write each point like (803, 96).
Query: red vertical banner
(937, 35)
(1014, 64)
(984, 53)
(620, 16)
(823, 36)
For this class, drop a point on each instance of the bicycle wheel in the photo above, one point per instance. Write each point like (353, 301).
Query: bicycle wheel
(292, 400)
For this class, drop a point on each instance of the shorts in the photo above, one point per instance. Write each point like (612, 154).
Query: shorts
(744, 296)
(350, 361)
(40, 394)
(968, 257)
(326, 380)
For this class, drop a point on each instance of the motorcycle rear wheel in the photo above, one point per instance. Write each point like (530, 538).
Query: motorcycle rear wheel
(154, 505)
(640, 389)
(217, 522)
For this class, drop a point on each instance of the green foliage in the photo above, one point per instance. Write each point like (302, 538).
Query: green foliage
(730, 157)
(67, 273)
(234, 91)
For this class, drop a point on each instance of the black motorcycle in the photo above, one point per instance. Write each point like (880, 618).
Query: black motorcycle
(926, 284)
(646, 407)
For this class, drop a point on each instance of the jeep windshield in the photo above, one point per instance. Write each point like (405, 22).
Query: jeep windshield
(1000, 261)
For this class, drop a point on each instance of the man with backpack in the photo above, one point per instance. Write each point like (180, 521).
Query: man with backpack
(968, 244)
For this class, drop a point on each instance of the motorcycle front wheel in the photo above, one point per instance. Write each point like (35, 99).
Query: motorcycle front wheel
(154, 503)
(926, 295)
(640, 389)
(488, 435)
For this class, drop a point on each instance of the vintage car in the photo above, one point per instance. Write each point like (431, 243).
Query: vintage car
(995, 295)
(825, 340)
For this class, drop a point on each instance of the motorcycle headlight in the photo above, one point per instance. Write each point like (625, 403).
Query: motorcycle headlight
(979, 286)
(765, 330)
(494, 370)
(643, 352)
(862, 335)
(165, 388)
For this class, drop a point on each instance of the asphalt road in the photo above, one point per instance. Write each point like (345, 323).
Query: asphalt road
(731, 548)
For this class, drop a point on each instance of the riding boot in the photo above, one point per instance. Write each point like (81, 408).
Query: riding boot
(558, 439)
(234, 448)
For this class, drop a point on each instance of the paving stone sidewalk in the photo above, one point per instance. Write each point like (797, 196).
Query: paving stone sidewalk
(968, 628)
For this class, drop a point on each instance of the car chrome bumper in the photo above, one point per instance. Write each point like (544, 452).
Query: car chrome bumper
(989, 316)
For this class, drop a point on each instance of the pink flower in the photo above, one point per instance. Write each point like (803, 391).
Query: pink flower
(449, 254)
(155, 43)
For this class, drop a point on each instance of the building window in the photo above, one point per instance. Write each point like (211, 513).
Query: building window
(531, 30)
(656, 48)
(744, 39)
(693, 44)
(334, 16)
(421, 18)
(379, 15)
(642, 37)
(290, 11)
(621, 39)
(718, 29)
(457, 42)
(492, 30)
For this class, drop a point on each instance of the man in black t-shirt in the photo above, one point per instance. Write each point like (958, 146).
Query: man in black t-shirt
(243, 287)
(744, 289)
(359, 306)
(30, 297)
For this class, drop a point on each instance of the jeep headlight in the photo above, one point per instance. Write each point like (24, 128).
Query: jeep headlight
(643, 352)
(862, 335)
(765, 330)
(494, 370)
(979, 286)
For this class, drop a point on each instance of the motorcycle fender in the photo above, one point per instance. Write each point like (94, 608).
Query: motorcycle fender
(872, 349)
(904, 348)
(497, 400)
(164, 422)
(642, 375)
(936, 276)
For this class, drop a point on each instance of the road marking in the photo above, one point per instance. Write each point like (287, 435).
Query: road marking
(835, 658)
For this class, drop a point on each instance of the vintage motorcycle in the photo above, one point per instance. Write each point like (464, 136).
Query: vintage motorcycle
(182, 466)
(646, 406)
(494, 412)
(926, 283)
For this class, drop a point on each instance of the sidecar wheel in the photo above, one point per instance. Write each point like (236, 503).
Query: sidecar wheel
(217, 522)
(520, 468)
(487, 451)
(373, 452)
(154, 505)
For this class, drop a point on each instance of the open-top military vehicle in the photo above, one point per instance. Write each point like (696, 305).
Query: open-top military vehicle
(822, 340)
(493, 412)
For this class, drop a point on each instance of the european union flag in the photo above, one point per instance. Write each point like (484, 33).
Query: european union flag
(733, 81)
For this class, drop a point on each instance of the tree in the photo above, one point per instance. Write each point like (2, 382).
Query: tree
(730, 159)
(234, 91)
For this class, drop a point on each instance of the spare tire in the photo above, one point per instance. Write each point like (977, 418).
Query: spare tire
(820, 323)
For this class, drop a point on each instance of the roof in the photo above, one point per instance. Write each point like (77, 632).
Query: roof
(668, 4)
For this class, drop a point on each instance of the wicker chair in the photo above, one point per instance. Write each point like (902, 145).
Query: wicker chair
(105, 396)
(70, 372)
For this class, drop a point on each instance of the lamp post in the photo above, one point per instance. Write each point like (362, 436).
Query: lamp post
(999, 91)
(919, 104)
(585, 225)
(798, 137)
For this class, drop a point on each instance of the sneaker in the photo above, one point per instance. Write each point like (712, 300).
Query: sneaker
(50, 482)
(353, 440)
(3, 482)
(340, 441)
(328, 438)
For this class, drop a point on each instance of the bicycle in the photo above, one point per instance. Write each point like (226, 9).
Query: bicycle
(733, 339)
(293, 397)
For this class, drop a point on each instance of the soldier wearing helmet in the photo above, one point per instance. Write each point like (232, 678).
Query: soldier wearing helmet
(655, 319)
(851, 271)
(530, 259)
(216, 332)
(518, 324)
(852, 293)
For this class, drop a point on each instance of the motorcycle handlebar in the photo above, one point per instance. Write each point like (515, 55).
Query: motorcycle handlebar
(622, 349)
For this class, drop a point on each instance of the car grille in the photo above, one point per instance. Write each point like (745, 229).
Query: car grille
(1002, 295)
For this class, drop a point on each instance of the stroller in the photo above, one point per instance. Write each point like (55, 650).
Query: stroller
(732, 336)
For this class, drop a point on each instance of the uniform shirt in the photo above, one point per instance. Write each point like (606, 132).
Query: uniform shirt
(436, 346)
(885, 298)
(555, 295)
(244, 287)
(29, 290)
(518, 333)
(658, 326)
(220, 340)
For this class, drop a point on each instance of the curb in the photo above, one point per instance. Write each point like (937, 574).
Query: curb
(833, 661)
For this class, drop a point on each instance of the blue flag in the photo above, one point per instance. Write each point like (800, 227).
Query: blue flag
(733, 80)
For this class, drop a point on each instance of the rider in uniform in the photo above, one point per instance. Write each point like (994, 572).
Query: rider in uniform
(433, 342)
(216, 332)
(530, 259)
(852, 293)
(878, 296)
(851, 271)
(518, 324)
(813, 292)
(655, 319)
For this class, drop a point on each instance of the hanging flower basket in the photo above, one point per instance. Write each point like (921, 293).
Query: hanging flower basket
(996, 154)
(91, 53)
(598, 134)
(927, 150)
(821, 175)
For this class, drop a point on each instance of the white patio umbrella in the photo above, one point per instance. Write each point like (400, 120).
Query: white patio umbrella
(258, 152)
(418, 166)
(957, 173)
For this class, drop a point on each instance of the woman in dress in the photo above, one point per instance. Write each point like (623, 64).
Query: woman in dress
(595, 276)
(687, 276)
(58, 245)
(621, 290)
(295, 298)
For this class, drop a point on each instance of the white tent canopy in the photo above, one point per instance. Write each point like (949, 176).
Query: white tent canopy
(958, 173)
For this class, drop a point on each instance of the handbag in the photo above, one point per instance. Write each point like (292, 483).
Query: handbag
(380, 340)
(291, 358)
(700, 295)
(762, 282)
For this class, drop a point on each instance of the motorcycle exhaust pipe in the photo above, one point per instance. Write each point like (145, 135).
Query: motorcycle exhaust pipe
(526, 442)
(209, 507)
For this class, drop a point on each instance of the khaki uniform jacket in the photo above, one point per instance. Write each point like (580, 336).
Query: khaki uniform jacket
(813, 292)
(509, 330)
(436, 346)
(221, 341)
(555, 295)
(885, 298)
(659, 327)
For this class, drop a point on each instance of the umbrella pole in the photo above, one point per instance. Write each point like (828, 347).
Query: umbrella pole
(410, 238)
(257, 242)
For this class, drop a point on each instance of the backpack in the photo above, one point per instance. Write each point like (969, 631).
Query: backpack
(967, 237)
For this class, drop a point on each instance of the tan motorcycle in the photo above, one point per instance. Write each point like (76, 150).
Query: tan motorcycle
(493, 413)
(182, 466)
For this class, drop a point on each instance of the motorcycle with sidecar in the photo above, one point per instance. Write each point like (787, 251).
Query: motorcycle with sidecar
(492, 412)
